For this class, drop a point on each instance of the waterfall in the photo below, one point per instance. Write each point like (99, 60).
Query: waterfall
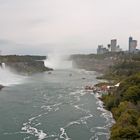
(3, 65)
(7, 77)
(57, 61)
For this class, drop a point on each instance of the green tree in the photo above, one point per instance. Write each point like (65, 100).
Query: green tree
(132, 94)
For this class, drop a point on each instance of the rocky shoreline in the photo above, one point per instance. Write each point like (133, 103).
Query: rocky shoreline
(122, 98)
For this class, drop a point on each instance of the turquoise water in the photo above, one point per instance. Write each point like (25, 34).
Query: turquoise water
(53, 107)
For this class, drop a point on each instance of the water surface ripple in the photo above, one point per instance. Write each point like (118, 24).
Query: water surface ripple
(54, 107)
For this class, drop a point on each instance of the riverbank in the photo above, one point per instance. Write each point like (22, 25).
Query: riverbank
(124, 103)
(123, 100)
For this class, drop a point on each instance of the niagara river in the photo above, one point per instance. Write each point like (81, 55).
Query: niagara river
(53, 106)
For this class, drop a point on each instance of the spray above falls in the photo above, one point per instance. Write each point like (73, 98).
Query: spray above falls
(58, 61)
(8, 78)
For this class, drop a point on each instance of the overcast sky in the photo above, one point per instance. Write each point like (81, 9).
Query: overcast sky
(67, 24)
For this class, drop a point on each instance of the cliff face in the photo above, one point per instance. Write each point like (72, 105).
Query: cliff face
(20, 58)
(28, 67)
(92, 62)
(25, 64)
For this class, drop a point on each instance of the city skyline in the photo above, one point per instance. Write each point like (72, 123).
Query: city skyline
(113, 46)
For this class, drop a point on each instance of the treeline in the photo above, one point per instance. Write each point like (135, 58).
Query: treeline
(124, 101)
(111, 63)
(20, 58)
(97, 56)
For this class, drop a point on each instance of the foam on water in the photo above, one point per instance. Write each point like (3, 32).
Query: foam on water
(34, 131)
(30, 127)
(97, 131)
(63, 134)
(81, 109)
(105, 114)
(72, 123)
(96, 136)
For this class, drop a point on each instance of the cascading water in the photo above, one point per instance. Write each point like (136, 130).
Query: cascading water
(57, 61)
(8, 78)
(3, 65)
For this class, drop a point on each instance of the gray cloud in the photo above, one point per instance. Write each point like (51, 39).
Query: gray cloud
(72, 24)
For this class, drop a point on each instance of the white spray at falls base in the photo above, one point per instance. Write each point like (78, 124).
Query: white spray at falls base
(57, 61)
(8, 78)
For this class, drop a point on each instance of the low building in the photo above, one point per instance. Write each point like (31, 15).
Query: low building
(102, 50)
(118, 49)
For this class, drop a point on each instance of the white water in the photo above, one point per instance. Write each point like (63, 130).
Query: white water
(8, 78)
(59, 110)
(57, 61)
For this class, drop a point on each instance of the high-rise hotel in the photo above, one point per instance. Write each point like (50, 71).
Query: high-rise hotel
(132, 45)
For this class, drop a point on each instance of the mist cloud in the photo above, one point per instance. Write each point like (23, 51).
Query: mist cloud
(71, 24)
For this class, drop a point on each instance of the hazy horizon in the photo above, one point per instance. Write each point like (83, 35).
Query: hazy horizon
(38, 27)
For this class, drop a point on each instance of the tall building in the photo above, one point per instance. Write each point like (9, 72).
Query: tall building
(130, 40)
(132, 45)
(113, 45)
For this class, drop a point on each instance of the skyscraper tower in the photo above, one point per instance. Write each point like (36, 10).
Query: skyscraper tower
(132, 45)
(130, 40)
(113, 45)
